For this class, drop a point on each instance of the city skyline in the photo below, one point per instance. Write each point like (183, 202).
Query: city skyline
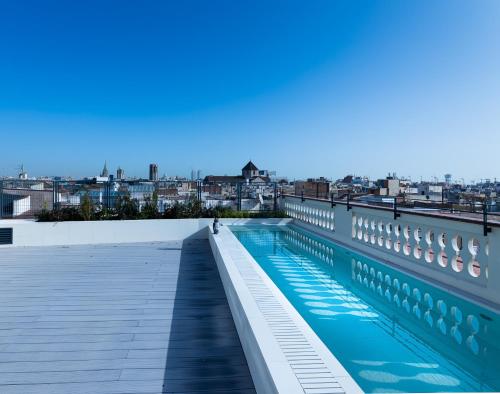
(316, 89)
(119, 173)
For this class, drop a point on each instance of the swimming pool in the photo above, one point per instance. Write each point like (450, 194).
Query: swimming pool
(391, 331)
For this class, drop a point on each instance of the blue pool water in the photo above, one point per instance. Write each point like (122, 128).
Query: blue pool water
(391, 331)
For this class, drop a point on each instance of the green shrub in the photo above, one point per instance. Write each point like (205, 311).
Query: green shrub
(127, 208)
(45, 216)
(87, 208)
(61, 215)
(150, 209)
(191, 209)
(221, 212)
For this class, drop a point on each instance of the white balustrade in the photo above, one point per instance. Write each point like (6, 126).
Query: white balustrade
(321, 217)
(447, 250)
(461, 252)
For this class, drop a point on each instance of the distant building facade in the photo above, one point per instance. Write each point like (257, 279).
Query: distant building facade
(153, 172)
(120, 174)
(317, 188)
(388, 187)
(249, 173)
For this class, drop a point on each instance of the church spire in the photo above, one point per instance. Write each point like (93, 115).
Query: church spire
(105, 172)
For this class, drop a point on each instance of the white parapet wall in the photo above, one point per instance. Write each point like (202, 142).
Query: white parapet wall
(31, 233)
(451, 252)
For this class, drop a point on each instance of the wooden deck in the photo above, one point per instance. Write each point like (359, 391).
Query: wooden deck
(117, 319)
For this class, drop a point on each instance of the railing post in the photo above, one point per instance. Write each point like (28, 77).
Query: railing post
(109, 195)
(395, 207)
(275, 197)
(486, 229)
(1, 199)
(331, 201)
(238, 198)
(54, 195)
(349, 200)
(106, 195)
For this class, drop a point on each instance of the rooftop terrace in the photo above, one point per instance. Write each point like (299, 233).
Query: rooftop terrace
(161, 306)
(143, 318)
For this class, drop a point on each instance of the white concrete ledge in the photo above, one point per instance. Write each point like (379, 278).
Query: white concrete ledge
(31, 233)
(283, 352)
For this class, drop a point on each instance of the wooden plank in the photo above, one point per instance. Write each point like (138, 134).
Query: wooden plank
(143, 318)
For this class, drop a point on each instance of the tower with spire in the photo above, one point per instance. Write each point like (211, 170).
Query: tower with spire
(105, 172)
(22, 173)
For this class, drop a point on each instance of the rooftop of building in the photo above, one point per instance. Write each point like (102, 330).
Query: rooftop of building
(250, 167)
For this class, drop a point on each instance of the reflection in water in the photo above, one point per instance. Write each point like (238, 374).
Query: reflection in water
(430, 378)
(391, 331)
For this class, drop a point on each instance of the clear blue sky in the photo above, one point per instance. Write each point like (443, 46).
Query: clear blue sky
(306, 88)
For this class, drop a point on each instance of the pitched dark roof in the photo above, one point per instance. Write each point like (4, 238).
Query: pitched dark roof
(250, 167)
(211, 179)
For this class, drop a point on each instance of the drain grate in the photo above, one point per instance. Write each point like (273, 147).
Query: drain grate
(311, 372)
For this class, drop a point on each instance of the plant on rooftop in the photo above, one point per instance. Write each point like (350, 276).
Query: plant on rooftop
(60, 215)
(190, 209)
(150, 209)
(225, 212)
(87, 208)
(126, 208)
(45, 216)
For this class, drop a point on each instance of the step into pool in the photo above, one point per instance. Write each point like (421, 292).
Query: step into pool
(391, 331)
